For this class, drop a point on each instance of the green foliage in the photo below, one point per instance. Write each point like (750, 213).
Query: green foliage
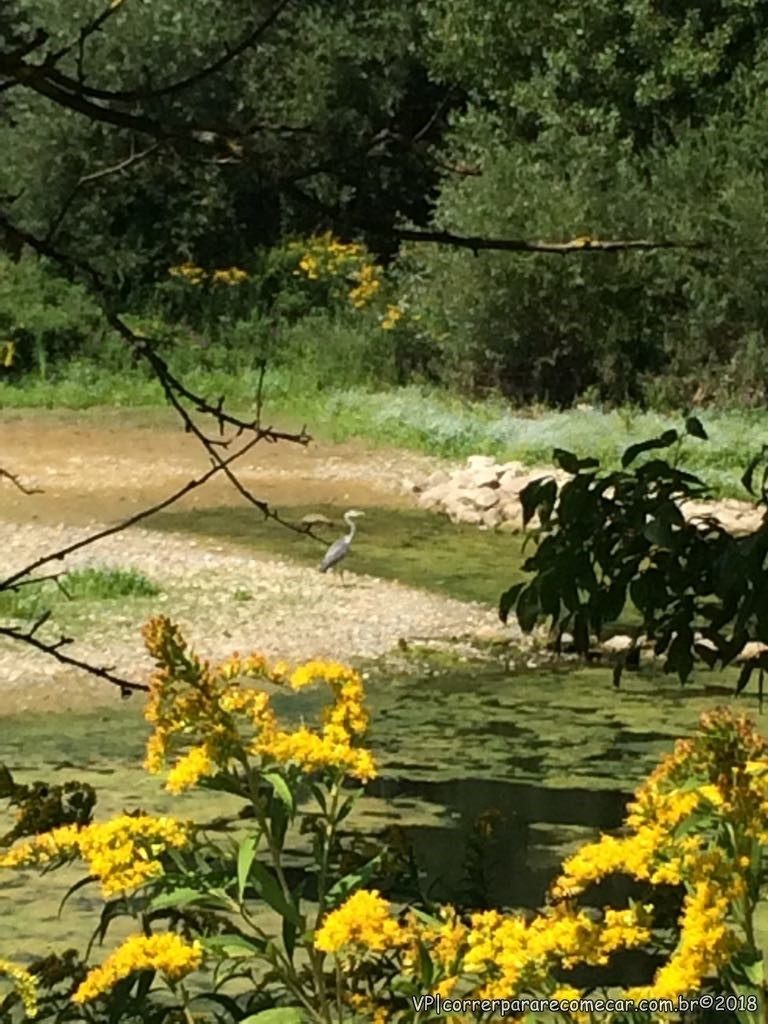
(665, 326)
(92, 584)
(46, 319)
(311, 95)
(632, 69)
(106, 584)
(605, 538)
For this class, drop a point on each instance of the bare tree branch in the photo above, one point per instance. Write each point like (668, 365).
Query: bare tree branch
(583, 244)
(103, 172)
(249, 40)
(5, 474)
(53, 649)
(145, 513)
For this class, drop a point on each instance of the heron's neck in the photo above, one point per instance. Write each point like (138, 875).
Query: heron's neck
(352, 527)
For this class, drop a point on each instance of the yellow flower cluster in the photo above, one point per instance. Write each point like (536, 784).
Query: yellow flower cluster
(507, 955)
(326, 258)
(694, 822)
(7, 353)
(345, 721)
(669, 841)
(166, 953)
(122, 853)
(229, 276)
(188, 271)
(391, 318)
(24, 984)
(190, 698)
(368, 284)
(205, 705)
(363, 922)
(514, 955)
(194, 275)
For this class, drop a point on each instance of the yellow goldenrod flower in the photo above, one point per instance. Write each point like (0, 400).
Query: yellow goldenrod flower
(165, 952)
(196, 764)
(122, 853)
(365, 922)
(229, 276)
(24, 984)
(189, 272)
(391, 319)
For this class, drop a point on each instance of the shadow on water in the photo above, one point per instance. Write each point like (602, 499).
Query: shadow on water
(549, 757)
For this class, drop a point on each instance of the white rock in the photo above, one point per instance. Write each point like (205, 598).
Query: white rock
(511, 481)
(620, 644)
(470, 516)
(481, 462)
(481, 497)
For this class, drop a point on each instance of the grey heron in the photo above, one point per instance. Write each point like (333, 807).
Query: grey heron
(340, 548)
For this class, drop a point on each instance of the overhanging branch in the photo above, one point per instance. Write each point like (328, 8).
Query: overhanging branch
(582, 244)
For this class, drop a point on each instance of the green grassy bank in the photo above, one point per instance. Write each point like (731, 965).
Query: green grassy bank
(428, 420)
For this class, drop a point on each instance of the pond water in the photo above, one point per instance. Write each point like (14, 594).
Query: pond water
(549, 756)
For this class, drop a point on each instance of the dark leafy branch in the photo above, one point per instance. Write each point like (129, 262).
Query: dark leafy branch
(605, 539)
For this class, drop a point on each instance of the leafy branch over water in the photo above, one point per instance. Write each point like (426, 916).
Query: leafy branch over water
(605, 539)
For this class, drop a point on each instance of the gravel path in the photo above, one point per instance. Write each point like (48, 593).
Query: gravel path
(225, 601)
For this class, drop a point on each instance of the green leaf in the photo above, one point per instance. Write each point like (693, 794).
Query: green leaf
(73, 889)
(695, 428)
(752, 465)
(281, 788)
(528, 608)
(269, 889)
(664, 441)
(176, 898)
(245, 857)
(7, 785)
(566, 460)
(233, 944)
(659, 532)
(538, 496)
(354, 880)
(508, 599)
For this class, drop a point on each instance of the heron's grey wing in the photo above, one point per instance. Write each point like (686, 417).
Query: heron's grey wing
(334, 554)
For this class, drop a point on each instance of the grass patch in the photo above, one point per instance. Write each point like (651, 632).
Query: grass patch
(91, 584)
(106, 584)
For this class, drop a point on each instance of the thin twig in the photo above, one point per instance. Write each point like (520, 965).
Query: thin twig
(108, 531)
(54, 650)
(5, 474)
(230, 54)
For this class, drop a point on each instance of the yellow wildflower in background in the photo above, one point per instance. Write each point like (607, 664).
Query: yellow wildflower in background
(324, 257)
(42, 850)
(167, 953)
(229, 276)
(368, 284)
(7, 353)
(123, 853)
(331, 672)
(188, 271)
(391, 318)
(364, 922)
(189, 769)
(24, 984)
